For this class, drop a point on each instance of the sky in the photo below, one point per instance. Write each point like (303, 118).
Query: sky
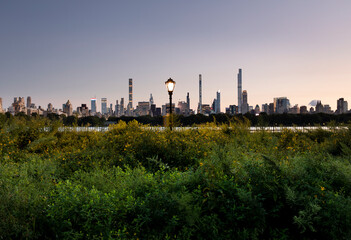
(59, 50)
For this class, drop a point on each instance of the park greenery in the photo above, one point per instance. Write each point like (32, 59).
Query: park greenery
(217, 181)
(263, 119)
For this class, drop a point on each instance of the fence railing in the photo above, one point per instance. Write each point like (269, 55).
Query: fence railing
(251, 129)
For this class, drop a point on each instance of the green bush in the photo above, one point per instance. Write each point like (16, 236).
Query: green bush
(135, 182)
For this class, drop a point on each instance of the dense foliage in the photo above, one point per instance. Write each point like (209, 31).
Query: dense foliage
(318, 119)
(135, 182)
(262, 119)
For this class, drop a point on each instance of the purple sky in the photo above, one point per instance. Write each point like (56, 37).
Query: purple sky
(60, 50)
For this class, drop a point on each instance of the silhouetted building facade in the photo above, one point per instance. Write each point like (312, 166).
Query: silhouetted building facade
(303, 110)
(342, 106)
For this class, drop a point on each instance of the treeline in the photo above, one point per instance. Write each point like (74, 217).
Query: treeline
(185, 121)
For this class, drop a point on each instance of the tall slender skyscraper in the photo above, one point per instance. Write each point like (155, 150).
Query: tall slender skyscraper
(117, 109)
(245, 104)
(93, 105)
(218, 102)
(103, 105)
(240, 101)
(29, 101)
(110, 110)
(130, 104)
(121, 105)
(188, 100)
(199, 110)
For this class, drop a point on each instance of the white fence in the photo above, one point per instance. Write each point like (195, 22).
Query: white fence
(252, 129)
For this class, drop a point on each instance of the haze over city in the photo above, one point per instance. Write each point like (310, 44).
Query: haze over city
(55, 51)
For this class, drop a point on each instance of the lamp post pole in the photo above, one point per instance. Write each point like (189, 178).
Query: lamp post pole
(170, 84)
(170, 110)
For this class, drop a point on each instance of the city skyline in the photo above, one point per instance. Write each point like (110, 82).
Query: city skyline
(78, 50)
(243, 105)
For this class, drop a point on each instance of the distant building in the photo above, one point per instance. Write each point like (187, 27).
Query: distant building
(327, 109)
(166, 109)
(130, 103)
(244, 106)
(188, 100)
(232, 110)
(265, 108)
(143, 108)
(153, 110)
(83, 110)
(93, 106)
(257, 109)
(18, 105)
(50, 107)
(29, 101)
(158, 112)
(218, 102)
(206, 109)
(281, 105)
(319, 107)
(121, 107)
(110, 109)
(213, 107)
(183, 108)
(117, 108)
(295, 109)
(104, 106)
(342, 106)
(199, 108)
(240, 100)
(67, 108)
(151, 100)
(271, 108)
(303, 110)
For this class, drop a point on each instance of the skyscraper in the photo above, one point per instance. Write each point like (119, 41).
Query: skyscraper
(199, 110)
(240, 101)
(342, 106)
(29, 101)
(281, 105)
(103, 105)
(50, 107)
(188, 100)
(151, 100)
(245, 105)
(121, 105)
(130, 103)
(93, 105)
(117, 109)
(110, 110)
(218, 102)
(68, 108)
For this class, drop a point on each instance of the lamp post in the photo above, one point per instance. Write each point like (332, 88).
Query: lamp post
(170, 84)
